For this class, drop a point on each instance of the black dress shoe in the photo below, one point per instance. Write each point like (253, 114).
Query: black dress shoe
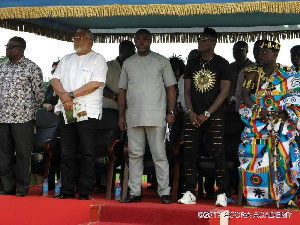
(66, 196)
(21, 194)
(84, 197)
(165, 199)
(11, 192)
(131, 198)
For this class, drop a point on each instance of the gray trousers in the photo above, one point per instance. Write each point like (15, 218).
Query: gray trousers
(16, 138)
(136, 145)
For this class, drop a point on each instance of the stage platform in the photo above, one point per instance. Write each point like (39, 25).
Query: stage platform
(37, 210)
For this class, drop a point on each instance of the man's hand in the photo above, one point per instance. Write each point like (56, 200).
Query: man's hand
(65, 97)
(122, 123)
(68, 105)
(49, 107)
(264, 114)
(193, 119)
(283, 115)
(170, 119)
(201, 119)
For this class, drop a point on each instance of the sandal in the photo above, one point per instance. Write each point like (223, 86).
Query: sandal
(291, 205)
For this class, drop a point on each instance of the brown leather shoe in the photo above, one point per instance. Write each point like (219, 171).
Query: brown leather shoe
(131, 198)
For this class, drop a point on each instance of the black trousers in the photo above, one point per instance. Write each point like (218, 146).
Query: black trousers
(15, 170)
(213, 131)
(78, 142)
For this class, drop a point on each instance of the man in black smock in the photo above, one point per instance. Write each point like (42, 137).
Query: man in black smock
(207, 82)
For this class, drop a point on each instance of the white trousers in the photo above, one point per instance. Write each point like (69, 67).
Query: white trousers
(136, 146)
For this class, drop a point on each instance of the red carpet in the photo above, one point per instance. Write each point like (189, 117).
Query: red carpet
(150, 211)
(35, 209)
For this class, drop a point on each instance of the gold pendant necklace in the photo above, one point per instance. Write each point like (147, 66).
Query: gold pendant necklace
(262, 76)
(204, 79)
(203, 64)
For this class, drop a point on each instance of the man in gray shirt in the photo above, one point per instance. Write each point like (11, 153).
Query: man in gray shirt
(147, 86)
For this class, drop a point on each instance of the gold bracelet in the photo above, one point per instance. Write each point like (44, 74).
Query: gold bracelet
(258, 111)
(248, 84)
(190, 110)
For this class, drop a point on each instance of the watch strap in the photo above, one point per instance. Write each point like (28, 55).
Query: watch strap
(71, 95)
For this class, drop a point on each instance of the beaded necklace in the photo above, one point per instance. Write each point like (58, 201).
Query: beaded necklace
(262, 76)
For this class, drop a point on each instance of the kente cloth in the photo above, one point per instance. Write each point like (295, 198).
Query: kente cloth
(256, 152)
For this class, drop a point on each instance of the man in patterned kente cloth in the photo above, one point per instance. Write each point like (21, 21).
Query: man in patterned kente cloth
(269, 154)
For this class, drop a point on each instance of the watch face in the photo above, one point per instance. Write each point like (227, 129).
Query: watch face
(207, 114)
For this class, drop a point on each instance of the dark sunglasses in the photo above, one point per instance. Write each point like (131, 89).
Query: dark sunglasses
(9, 47)
(203, 39)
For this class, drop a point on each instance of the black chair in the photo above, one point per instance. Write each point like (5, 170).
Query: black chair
(109, 148)
(46, 147)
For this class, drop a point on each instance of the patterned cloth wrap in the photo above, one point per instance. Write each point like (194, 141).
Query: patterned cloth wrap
(256, 150)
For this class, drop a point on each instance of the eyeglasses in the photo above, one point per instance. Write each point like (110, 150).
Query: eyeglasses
(9, 47)
(203, 39)
(239, 49)
(78, 39)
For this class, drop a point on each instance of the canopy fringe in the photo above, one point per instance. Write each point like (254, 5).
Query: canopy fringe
(192, 37)
(156, 38)
(292, 7)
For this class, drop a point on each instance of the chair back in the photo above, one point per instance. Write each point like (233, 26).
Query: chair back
(47, 128)
(107, 131)
(47, 124)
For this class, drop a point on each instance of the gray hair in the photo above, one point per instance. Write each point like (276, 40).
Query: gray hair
(87, 32)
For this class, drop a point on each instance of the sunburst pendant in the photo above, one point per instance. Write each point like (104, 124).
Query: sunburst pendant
(204, 80)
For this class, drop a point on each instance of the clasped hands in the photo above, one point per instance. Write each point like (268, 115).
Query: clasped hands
(66, 100)
(265, 115)
(197, 120)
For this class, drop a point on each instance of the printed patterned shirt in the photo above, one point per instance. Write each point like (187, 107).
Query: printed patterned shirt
(21, 91)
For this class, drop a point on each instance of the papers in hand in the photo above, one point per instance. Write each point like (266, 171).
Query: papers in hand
(167, 136)
(77, 114)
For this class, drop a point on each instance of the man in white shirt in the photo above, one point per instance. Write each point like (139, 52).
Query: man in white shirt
(79, 81)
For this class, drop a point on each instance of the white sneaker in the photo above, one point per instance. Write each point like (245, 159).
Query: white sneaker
(221, 200)
(187, 199)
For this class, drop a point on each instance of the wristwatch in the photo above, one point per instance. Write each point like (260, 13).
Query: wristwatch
(71, 95)
(207, 114)
(171, 112)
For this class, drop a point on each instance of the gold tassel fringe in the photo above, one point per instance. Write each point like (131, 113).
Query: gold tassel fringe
(292, 7)
(156, 38)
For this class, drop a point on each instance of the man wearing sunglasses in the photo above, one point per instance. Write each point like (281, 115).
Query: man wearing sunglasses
(21, 95)
(79, 81)
(207, 81)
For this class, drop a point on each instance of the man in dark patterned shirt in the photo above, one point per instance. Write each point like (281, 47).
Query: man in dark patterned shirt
(21, 95)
